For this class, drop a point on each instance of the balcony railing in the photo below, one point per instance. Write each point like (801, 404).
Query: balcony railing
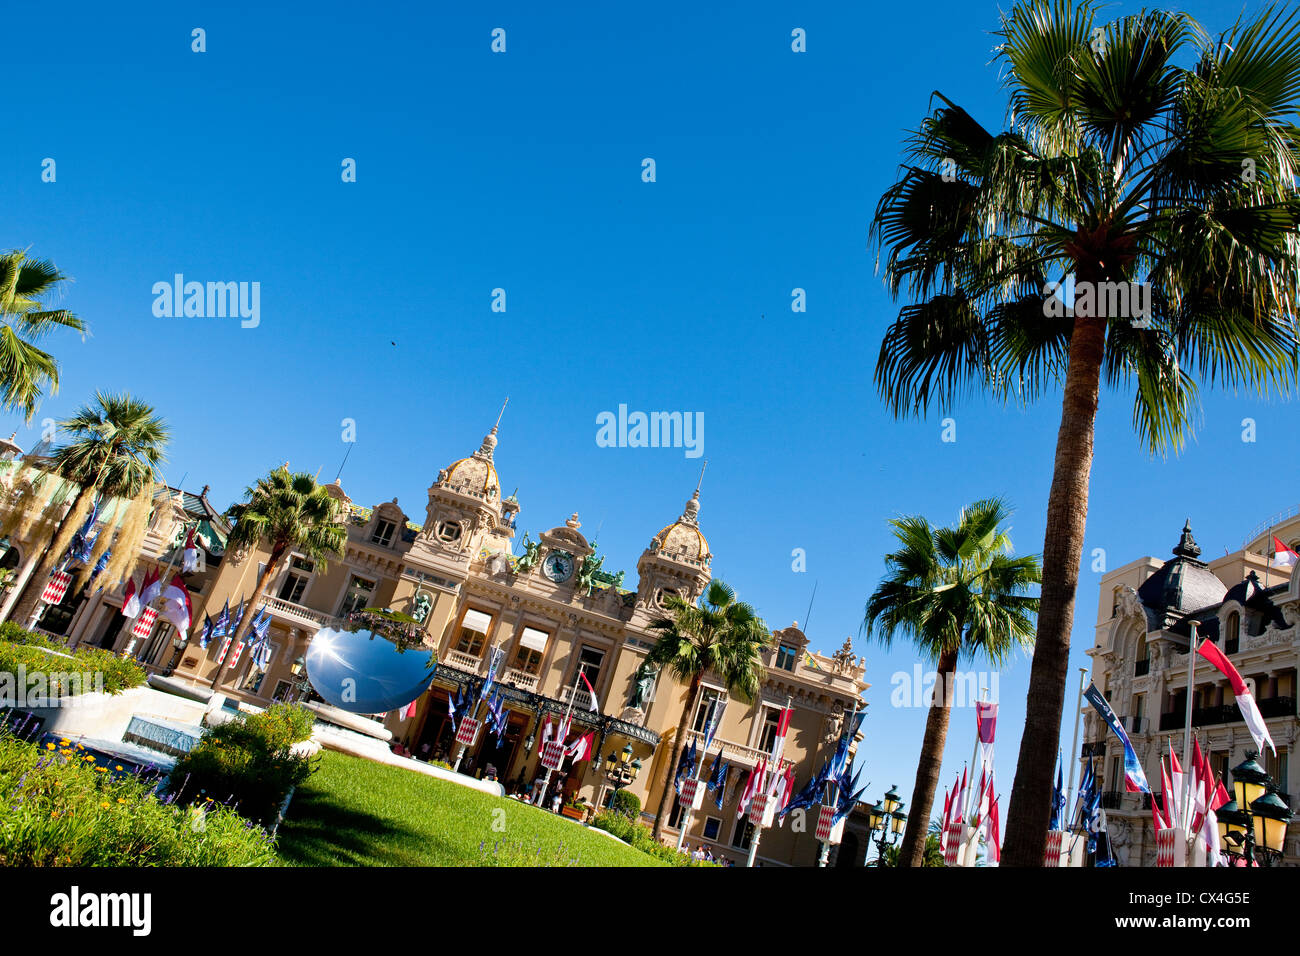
(732, 751)
(581, 698)
(298, 614)
(521, 679)
(1277, 707)
(1228, 713)
(464, 662)
(1112, 799)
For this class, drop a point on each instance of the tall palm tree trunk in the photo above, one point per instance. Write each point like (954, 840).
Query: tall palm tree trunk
(1029, 811)
(26, 604)
(912, 851)
(679, 741)
(250, 610)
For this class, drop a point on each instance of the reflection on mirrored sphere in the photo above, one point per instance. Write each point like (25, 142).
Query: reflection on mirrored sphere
(364, 672)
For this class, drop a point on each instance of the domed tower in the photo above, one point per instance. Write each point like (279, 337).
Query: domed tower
(676, 562)
(465, 501)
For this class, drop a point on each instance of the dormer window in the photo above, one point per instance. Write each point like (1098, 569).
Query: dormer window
(448, 531)
(383, 533)
(786, 657)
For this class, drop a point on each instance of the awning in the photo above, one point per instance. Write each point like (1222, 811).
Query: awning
(477, 621)
(534, 639)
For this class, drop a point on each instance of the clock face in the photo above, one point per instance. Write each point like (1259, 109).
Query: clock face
(558, 566)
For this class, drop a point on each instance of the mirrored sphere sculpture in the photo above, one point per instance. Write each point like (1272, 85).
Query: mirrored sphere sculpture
(366, 673)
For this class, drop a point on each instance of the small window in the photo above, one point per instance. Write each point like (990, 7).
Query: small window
(528, 660)
(1232, 642)
(771, 721)
(742, 834)
(448, 531)
(358, 596)
(589, 661)
(712, 827)
(786, 657)
(473, 632)
(383, 534)
(675, 818)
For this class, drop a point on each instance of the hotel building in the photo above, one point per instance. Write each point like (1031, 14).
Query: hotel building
(1242, 603)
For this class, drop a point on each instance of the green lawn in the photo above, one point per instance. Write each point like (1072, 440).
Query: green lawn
(354, 812)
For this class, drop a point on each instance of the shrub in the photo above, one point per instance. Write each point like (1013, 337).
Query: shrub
(246, 763)
(641, 838)
(19, 647)
(64, 810)
(628, 804)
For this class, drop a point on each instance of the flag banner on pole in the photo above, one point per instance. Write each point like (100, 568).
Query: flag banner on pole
(1135, 780)
(986, 725)
(552, 755)
(205, 635)
(410, 709)
(176, 606)
(715, 718)
(190, 562)
(144, 624)
(580, 749)
(1055, 843)
(1245, 700)
(130, 600)
(952, 843)
(1170, 848)
(1283, 557)
(151, 588)
(591, 691)
(692, 793)
(828, 830)
(778, 742)
(56, 588)
(761, 810)
(467, 732)
(222, 624)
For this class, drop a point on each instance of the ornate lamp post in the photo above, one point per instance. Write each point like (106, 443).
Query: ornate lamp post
(621, 769)
(886, 822)
(1260, 828)
(298, 669)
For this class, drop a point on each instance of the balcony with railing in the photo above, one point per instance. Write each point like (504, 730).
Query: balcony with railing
(1112, 799)
(1228, 713)
(733, 752)
(521, 679)
(462, 661)
(581, 697)
(301, 616)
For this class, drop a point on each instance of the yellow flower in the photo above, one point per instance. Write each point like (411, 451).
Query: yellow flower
(101, 770)
(104, 805)
(118, 767)
(64, 742)
(121, 799)
(49, 746)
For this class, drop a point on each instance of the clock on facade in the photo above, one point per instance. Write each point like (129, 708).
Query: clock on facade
(558, 566)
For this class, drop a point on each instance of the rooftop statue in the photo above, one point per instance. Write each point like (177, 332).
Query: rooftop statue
(532, 554)
(586, 576)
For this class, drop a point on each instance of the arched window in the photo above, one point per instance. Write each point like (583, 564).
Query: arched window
(1142, 659)
(1233, 638)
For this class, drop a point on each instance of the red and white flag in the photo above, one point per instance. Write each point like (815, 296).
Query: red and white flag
(752, 786)
(778, 742)
(547, 731)
(591, 691)
(580, 749)
(176, 606)
(130, 600)
(1283, 557)
(1176, 777)
(190, 561)
(1245, 701)
(410, 709)
(1160, 805)
(993, 835)
(151, 588)
(56, 588)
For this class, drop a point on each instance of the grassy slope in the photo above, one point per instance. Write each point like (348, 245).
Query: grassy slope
(353, 812)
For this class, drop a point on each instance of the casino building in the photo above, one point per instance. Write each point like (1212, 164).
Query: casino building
(1251, 610)
(552, 609)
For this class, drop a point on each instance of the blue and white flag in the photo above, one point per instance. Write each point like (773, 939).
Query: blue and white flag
(711, 728)
(205, 635)
(1135, 781)
(685, 766)
(494, 661)
(220, 625)
(261, 624)
(1058, 799)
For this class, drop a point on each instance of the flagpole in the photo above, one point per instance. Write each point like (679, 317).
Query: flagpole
(546, 781)
(758, 830)
(971, 796)
(824, 857)
(1187, 730)
(130, 646)
(478, 703)
(1069, 787)
(695, 775)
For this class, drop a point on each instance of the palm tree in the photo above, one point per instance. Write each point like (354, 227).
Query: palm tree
(25, 370)
(1119, 165)
(720, 635)
(284, 513)
(954, 592)
(116, 445)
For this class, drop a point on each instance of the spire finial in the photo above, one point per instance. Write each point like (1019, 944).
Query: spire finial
(701, 480)
(500, 413)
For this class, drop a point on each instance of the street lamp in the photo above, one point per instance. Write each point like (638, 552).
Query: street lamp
(298, 669)
(621, 769)
(886, 822)
(1257, 819)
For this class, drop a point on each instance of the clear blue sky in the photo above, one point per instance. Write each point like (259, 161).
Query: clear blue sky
(523, 171)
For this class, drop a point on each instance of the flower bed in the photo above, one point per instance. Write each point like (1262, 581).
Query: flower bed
(63, 672)
(63, 809)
